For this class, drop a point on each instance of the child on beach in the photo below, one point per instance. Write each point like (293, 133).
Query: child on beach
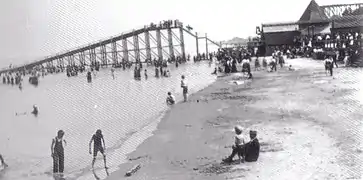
(57, 150)
(237, 148)
(184, 86)
(3, 162)
(97, 140)
(170, 100)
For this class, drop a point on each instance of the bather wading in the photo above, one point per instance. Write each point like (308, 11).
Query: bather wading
(97, 140)
(57, 150)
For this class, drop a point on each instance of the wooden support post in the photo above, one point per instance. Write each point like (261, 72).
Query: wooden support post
(114, 52)
(136, 48)
(197, 43)
(182, 45)
(159, 45)
(171, 46)
(125, 50)
(206, 45)
(147, 46)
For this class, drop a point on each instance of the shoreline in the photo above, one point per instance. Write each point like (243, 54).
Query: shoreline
(191, 138)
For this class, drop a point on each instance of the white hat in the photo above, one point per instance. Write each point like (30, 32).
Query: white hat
(238, 127)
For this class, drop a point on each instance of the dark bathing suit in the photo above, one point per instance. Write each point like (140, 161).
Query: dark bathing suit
(97, 146)
(58, 157)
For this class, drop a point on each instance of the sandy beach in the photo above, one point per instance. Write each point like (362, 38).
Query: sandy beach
(301, 118)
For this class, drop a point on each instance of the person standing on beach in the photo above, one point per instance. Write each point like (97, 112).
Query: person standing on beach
(145, 73)
(97, 140)
(57, 150)
(184, 86)
(3, 162)
(113, 72)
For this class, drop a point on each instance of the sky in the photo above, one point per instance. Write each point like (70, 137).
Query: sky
(30, 29)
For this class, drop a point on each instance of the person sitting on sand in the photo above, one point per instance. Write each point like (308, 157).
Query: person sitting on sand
(291, 68)
(215, 71)
(3, 161)
(170, 100)
(250, 151)
(97, 140)
(237, 148)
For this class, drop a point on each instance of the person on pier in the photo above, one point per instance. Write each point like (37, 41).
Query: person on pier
(57, 150)
(3, 162)
(170, 99)
(98, 140)
(184, 86)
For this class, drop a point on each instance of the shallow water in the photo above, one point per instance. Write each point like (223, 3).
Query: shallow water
(126, 110)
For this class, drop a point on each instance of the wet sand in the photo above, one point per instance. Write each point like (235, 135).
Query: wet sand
(301, 118)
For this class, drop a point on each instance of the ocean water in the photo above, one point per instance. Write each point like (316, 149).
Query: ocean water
(126, 110)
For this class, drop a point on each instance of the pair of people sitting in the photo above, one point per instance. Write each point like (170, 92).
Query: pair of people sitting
(249, 151)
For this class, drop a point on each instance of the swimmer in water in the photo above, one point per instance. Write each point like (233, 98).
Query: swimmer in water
(35, 110)
(3, 162)
(97, 140)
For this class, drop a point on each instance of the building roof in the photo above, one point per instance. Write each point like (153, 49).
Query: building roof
(348, 22)
(323, 29)
(313, 13)
(279, 23)
(280, 28)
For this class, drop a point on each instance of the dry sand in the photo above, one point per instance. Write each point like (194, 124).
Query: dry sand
(292, 113)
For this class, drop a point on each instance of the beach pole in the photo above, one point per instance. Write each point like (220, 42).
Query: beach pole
(182, 46)
(171, 46)
(197, 45)
(125, 50)
(136, 48)
(159, 45)
(206, 45)
(147, 45)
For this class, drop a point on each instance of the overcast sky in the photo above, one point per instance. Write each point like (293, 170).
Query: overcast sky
(34, 28)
